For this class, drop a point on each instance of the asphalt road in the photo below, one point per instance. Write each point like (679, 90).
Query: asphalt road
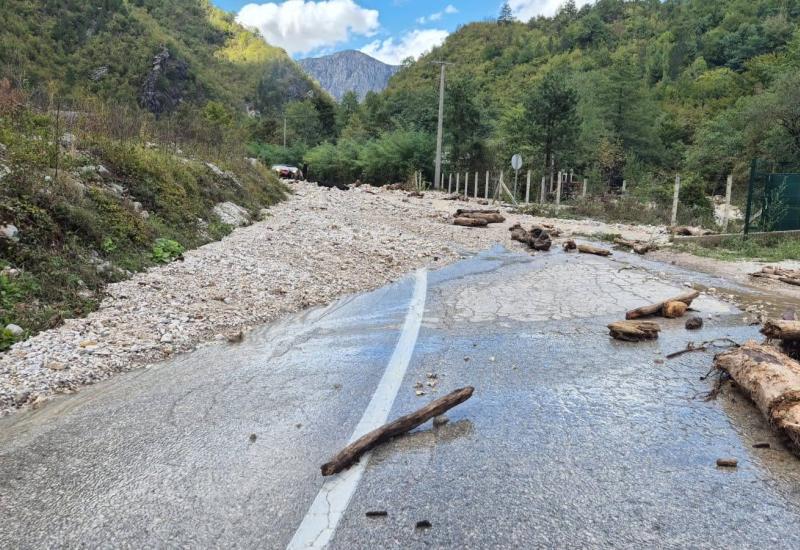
(572, 440)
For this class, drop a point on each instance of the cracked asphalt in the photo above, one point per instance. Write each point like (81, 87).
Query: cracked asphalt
(571, 439)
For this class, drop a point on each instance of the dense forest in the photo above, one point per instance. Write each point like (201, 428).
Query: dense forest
(636, 89)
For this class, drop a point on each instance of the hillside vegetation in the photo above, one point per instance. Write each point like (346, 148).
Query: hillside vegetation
(124, 125)
(634, 90)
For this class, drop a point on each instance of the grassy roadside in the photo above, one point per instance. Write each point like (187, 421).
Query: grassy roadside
(739, 248)
(81, 210)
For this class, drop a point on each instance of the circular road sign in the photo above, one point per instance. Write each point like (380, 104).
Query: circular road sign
(516, 162)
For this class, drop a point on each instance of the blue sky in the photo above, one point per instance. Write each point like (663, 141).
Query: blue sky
(390, 30)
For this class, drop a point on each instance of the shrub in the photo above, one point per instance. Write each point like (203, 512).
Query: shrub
(166, 250)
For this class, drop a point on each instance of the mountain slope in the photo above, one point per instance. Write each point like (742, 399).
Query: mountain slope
(349, 71)
(185, 50)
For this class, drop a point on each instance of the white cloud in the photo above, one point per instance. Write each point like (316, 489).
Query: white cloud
(300, 26)
(449, 10)
(412, 44)
(526, 9)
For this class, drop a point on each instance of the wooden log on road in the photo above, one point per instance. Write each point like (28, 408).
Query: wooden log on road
(471, 222)
(673, 310)
(490, 217)
(597, 251)
(782, 330)
(462, 211)
(640, 247)
(771, 379)
(656, 309)
(634, 331)
(350, 454)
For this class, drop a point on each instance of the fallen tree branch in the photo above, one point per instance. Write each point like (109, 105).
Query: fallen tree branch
(350, 454)
(657, 309)
(703, 346)
(640, 247)
(537, 238)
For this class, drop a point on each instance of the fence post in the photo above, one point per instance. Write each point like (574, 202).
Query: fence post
(528, 189)
(498, 190)
(466, 185)
(624, 185)
(543, 193)
(450, 184)
(486, 189)
(676, 194)
(726, 215)
(476, 185)
(585, 184)
(558, 193)
(458, 181)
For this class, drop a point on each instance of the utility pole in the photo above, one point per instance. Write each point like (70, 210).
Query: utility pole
(440, 130)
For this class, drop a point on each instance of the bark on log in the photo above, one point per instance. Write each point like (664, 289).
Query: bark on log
(570, 245)
(537, 238)
(781, 330)
(634, 331)
(656, 309)
(589, 249)
(640, 247)
(772, 380)
(471, 222)
(673, 310)
(350, 454)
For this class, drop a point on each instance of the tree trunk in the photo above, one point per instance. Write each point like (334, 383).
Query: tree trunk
(656, 309)
(350, 454)
(772, 380)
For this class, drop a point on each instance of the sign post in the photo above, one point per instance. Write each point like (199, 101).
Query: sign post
(516, 164)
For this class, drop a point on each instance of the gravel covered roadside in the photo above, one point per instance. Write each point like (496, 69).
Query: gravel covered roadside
(313, 248)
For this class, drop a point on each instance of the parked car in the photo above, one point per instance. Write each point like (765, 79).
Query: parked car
(287, 172)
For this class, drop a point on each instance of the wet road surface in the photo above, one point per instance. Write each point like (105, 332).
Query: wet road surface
(571, 439)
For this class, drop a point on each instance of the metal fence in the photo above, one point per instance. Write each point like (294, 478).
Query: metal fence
(773, 197)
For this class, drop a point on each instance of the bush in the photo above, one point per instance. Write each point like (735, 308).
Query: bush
(166, 250)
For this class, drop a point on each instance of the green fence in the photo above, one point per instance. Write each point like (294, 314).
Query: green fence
(773, 197)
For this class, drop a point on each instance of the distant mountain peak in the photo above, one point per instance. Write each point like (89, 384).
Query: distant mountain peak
(349, 70)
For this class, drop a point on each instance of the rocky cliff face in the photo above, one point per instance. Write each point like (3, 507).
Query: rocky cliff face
(347, 71)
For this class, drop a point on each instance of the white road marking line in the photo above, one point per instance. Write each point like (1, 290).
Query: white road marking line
(319, 523)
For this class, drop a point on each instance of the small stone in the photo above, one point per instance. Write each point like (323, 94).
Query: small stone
(166, 338)
(424, 524)
(419, 393)
(377, 514)
(10, 232)
(88, 343)
(56, 365)
(440, 420)
(253, 438)
(761, 445)
(694, 323)
(727, 462)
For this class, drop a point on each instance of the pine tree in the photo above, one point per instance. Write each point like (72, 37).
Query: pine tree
(506, 15)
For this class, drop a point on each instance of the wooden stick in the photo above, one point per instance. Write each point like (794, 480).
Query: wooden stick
(589, 249)
(656, 309)
(490, 217)
(781, 330)
(350, 454)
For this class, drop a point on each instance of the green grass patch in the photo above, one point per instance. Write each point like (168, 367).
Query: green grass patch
(740, 248)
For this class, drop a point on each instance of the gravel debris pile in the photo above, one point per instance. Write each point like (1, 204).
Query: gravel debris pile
(317, 246)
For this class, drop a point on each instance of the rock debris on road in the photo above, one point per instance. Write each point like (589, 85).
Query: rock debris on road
(318, 245)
